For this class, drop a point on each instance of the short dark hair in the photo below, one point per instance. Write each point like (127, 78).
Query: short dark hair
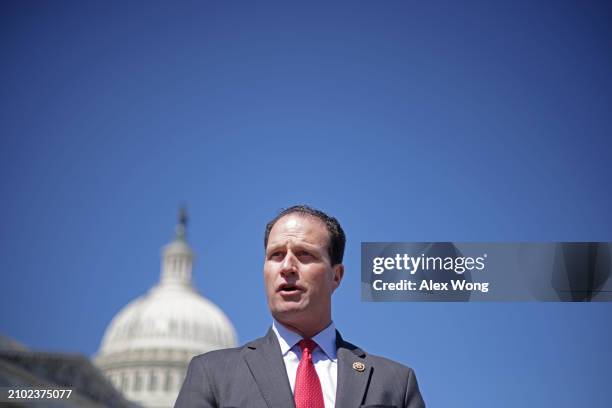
(337, 239)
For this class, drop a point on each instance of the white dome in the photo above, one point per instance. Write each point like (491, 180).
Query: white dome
(169, 317)
(148, 344)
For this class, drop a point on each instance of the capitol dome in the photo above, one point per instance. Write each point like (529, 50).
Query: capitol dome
(149, 343)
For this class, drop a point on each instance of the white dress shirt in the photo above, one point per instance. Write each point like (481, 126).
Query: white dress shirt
(324, 358)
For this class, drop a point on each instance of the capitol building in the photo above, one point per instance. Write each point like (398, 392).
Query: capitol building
(147, 346)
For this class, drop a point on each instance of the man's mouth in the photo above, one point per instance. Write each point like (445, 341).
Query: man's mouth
(289, 288)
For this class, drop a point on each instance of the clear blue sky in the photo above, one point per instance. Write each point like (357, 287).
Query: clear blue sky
(409, 121)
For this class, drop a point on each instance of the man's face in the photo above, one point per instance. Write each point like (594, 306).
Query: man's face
(298, 274)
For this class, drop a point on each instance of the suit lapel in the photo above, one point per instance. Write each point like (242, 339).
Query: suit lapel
(352, 383)
(266, 363)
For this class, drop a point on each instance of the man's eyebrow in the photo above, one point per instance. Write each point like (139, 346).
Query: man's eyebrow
(273, 247)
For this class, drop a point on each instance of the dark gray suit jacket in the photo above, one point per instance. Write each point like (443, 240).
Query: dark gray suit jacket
(254, 376)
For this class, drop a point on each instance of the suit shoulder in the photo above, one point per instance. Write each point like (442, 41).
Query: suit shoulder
(376, 360)
(219, 355)
(229, 354)
(387, 362)
(402, 375)
(389, 373)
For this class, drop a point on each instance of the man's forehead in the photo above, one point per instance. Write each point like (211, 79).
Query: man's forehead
(302, 226)
(291, 223)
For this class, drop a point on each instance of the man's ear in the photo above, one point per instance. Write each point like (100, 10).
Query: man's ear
(338, 274)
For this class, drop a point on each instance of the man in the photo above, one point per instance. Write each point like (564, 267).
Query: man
(303, 361)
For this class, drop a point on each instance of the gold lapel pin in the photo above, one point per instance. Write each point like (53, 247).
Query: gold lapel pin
(358, 366)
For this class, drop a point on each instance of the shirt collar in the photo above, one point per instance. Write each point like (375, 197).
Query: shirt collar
(325, 339)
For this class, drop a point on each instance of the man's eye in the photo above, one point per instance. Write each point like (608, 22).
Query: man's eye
(276, 255)
(304, 254)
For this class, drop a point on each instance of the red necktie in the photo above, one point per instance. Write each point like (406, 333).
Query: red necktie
(307, 392)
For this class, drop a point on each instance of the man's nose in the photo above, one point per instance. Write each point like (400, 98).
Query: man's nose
(289, 265)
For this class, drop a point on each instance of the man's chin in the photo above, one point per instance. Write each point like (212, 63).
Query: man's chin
(288, 311)
(289, 314)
